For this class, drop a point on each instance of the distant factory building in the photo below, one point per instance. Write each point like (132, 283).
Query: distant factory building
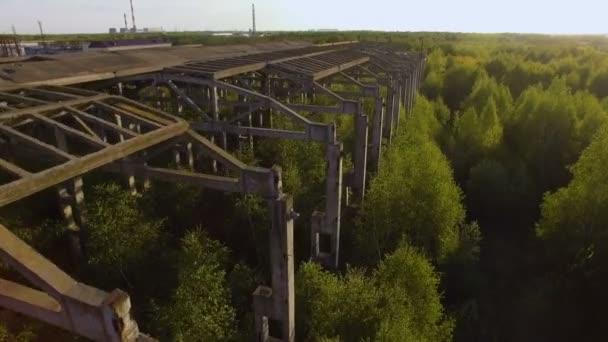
(128, 44)
(113, 30)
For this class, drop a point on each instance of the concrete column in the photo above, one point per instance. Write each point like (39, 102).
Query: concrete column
(361, 135)
(215, 111)
(127, 172)
(262, 311)
(404, 91)
(408, 94)
(265, 87)
(376, 144)
(388, 113)
(71, 199)
(281, 254)
(190, 154)
(316, 229)
(416, 80)
(177, 157)
(275, 307)
(215, 108)
(397, 106)
(249, 136)
(333, 205)
(412, 90)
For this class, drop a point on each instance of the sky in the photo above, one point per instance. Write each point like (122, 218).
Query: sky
(522, 16)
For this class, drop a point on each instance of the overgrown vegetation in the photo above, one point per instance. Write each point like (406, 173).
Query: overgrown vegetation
(487, 221)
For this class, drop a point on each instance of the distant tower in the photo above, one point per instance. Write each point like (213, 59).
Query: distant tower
(126, 24)
(133, 17)
(41, 33)
(253, 17)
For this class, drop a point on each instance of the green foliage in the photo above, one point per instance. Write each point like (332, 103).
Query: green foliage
(399, 302)
(599, 85)
(510, 112)
(433, 86)
(413, 197)
(544, 133)
(119, 236)
(199, 308)
(3, 333)
(21, 332)
(409, 285)
(573, 228)
(329, 306)
(574, 218)
(459, 80)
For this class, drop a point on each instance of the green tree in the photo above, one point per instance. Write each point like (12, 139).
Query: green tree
(413, 197)
(458, 83)
(410, 291)
(199, 308)
(329, 306)
(432, 86)
(119, 238)
(574, 229)
(399, 301)
(599, 84)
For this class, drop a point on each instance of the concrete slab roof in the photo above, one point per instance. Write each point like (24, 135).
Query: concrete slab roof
(94, 66)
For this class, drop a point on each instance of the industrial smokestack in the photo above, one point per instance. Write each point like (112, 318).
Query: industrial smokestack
(133, 17)
(41, 33)
(253, 17)
(126, 24)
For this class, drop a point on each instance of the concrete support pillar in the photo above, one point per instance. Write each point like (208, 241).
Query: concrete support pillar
(404, 91)
(416, 80)
(127, 172)
(216, 115)
(275, 307)
(265, 88)
(409, 94)
(281, 241)
(71, 202)
(376, 144)
(325, 227)
(215, 111)
(177, 157)
(361, 135)
(262, 311)
(71, 198)
(333, 205)
(412, 90)
(190, 155)
(397, 106)
(388, 114)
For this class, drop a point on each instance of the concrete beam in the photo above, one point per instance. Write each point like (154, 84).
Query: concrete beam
(63, 302)
(77, 166)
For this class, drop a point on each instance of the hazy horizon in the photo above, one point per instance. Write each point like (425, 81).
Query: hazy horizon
(516, 16)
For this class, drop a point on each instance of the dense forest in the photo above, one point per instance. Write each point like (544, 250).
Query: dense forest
(488, 220)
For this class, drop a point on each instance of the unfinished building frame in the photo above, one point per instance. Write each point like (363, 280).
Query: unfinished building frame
(240, 97)
(78, 131)
(51, 136)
